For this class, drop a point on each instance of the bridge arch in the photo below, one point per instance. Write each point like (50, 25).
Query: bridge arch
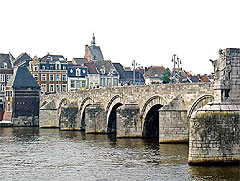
(43, 104)
(199, 102)
(63, 101)
(114, 103)
(150, 116)
(81, 112)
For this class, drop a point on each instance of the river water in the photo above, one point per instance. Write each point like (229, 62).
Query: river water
(50, 154)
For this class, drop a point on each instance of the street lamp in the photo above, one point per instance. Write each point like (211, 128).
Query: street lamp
(174, 63)
(134, 67)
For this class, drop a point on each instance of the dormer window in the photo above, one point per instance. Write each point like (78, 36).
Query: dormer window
(35, 68)
(58, 67)
(5, 65)
(78, 72)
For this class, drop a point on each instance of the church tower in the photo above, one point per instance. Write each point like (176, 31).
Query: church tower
(93, 52)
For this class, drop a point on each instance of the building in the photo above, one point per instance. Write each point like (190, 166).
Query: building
(93, 52)
(77, 77)
(126, 75)
(6, 71)
(50, 72)
(22, 60)
(22, 97)
(108, 74)
(93, 76)
(153, 75)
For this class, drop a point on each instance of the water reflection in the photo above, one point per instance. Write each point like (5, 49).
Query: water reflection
(215, 172)
(73, 155)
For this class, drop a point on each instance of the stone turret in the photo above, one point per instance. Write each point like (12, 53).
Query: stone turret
(227, 69)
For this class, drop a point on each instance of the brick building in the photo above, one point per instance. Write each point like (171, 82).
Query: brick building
(50, 72)
(6, 71)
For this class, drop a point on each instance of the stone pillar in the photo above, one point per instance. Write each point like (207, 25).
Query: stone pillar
(68, 117)
(173, 125)
(215, 134)
(48, 116)
(95, 119)
(128, 121)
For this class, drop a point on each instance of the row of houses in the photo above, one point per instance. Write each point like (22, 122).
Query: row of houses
(55, 74)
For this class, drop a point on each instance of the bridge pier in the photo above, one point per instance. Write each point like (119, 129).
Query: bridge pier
(128, 121)
(48, 116)
(173, 124)
(95, 119)
(68, 117)
(215, 134)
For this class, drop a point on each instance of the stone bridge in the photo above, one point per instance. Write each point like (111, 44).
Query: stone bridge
(129, 111)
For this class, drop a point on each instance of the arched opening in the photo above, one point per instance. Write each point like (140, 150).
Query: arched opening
(151, 122)
(83, 118)
(112, 119)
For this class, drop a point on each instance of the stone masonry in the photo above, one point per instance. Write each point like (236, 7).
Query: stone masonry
(95, 106)
(214, 128)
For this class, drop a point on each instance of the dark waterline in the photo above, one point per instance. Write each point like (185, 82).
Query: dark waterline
(50, 154)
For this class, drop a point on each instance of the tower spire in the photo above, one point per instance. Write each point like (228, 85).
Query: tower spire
(93, 40)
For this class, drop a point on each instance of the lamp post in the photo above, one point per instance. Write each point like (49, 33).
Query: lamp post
(174, 62)
(134, 67)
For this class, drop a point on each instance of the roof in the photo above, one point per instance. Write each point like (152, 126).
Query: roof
(22, 60)
(91, 68)
(22, 78)
(105, 67)
(120, 70)
(154, 71)
(95, 52)
(204, 78)
(6, 58)
(53, 58)
(79, 60)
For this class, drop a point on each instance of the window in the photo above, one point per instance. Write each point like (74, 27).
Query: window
(58, 77)
(8, 107)
(43, 87)
(35, 76)
(78, 84)
(43, 67)
(115, 81)
(2, 88)
(51, 88)
(64, 67)
(51, 67)
(8, 77)
(64, 87)
(58, 87)
(83, 83)
(109, 82)
(43, 77)
(72, 84)
(51, 78)
(5, 65)
(102, 83)
(57, 66)
(35, 68)
(8, 94)
(78, 72)
(2, 77)
(64, 77)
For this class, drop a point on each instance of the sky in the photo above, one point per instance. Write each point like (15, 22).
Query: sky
(147, 31)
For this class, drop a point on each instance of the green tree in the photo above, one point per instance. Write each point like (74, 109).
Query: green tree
(166, 76)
